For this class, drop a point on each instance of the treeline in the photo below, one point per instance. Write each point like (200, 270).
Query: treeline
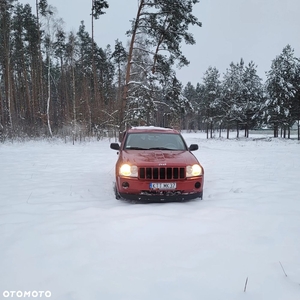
(58, 83)
(242, 101)
(51, 80)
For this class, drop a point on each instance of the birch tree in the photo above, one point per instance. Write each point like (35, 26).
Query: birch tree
(49, 40)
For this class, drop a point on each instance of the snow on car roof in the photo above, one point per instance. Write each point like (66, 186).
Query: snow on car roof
(152, 128)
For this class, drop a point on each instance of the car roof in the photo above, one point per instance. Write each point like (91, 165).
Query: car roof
(140, 129)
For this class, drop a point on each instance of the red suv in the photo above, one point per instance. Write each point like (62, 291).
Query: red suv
(155, 164)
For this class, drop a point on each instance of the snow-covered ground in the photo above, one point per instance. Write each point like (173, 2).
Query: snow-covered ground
(62, 230)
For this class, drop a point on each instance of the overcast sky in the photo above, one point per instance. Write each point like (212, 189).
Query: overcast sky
(255, 30)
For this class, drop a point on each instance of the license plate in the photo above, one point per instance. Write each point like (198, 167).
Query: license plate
(163, 185)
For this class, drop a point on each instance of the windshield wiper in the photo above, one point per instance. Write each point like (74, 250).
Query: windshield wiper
(135, 148)
(160, 148)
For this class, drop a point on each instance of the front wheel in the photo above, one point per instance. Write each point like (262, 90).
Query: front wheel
(117, 195)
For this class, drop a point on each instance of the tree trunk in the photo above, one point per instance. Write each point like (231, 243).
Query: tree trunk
(89, 112)
(207, 130)
(128, 68)
(29, 112)
(2, 113)
(6, 66)
(275, 130)
(34, 93)
(247, 130)
(49, 97)
(97, 99)
(40, 94)
(74, 101)
(8, 93)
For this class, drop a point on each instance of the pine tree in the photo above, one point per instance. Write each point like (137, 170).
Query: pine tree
(164, 26)
(71, 60)
(6, 11)
(252, 97)
(21, 67)
(232, 86)
(282, 86)
(190, 93)
(242, 94)
(31, 31)
(59, 46)
(98, 7)
(211, 99)
(179, 106)
(119, 57)
(87, 78)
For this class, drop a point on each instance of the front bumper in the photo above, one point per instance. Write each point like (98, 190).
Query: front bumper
(167, 197)
(138, 190)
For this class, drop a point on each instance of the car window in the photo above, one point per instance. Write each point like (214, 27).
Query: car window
(152, 141)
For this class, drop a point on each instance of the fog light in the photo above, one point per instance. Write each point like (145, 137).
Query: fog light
(197, 185)
(125, 185)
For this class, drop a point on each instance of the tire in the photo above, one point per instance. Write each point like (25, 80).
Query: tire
(117, 195)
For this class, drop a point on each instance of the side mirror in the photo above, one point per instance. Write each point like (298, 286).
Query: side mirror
(115, 146)
(193, 147)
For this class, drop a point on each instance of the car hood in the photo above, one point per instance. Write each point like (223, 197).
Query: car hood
(158, 158)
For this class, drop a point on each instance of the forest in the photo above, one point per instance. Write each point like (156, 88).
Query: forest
(57, 83)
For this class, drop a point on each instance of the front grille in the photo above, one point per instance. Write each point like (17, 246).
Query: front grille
(161, 173)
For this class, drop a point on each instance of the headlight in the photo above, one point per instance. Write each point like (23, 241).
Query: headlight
(194, 170)
(127, 170)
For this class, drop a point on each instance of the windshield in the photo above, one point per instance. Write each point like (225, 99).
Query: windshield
(154, 141)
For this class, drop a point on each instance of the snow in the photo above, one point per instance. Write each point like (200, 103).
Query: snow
(151, 128)
(63, 231)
